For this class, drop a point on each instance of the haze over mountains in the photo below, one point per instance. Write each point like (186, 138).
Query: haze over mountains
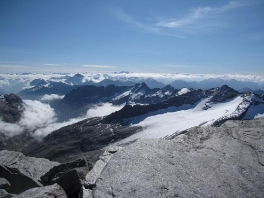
(16, 82)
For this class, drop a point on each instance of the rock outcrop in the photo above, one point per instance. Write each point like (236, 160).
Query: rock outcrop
(92, 176)
(69, 176)
(23, 172)
(4, 184)
(226, 161)
(44, 192)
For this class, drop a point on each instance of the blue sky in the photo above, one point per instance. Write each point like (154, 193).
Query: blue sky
(180, 36)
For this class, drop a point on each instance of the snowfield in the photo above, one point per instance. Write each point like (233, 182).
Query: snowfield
(166, 124)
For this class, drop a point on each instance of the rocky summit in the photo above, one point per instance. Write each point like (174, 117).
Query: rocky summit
(224, 161)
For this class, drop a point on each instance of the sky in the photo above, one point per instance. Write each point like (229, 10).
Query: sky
(204, 36)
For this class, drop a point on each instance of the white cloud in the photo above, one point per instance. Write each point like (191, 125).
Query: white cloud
(99, 66)
(36, 115)
(259, 116)
(97, 111)
(129, 19)
(51, 97)
(42, 132)
(103, 110)
(202, 17)
(9, 129)
(50, 64)
(145, 27)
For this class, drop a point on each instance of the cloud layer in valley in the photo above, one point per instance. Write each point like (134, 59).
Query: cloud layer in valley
(40, 119)
(102, 110)
(35, 115)
(51, 97)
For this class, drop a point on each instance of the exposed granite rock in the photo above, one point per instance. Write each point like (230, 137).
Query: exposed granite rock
(69, 176)
(85, 193)
(226, 161)
(4, 184)
(44, 192)
(23, 172)
(4, 194)
(93, 175)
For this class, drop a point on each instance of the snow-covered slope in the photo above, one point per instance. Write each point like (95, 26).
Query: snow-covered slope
(172, 122)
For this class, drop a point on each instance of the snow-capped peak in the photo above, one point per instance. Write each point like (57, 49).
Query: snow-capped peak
(183, 91)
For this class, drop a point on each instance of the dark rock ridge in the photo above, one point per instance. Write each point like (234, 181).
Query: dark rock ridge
(70, 176)
(17, 142)
(11, 108)
(76, 102)
(29, 175)
(216, 95)
(224, 161)
(79, 140)
(43, 87)
(77, 79)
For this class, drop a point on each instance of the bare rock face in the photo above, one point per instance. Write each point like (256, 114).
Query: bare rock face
(11, 108)
(70, 176)
(44, 192)
(23, 172)
(5, 194)
(4, 184)
(226, 161)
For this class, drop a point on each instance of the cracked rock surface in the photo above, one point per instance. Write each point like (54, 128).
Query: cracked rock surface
(44, 192)
(224, 161)
(23, 172)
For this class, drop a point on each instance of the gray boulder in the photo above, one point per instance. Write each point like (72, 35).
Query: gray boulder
(23, 172)
(4, 184)
(226, 161)
(93, 175)
(4, 194)
(44, 192)
(69, 176)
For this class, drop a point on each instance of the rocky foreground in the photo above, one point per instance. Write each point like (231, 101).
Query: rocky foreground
(226, 161)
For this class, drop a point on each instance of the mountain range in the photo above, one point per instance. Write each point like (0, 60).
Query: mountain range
(15, 83)
(66, 118)
(126, 113)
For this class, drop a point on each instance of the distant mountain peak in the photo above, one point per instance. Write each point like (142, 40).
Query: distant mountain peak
(78, 76)
(37, 82)
(168, 88)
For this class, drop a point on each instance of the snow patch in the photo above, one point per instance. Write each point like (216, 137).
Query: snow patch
(259, 116)
(183, 91)
(122, 95)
